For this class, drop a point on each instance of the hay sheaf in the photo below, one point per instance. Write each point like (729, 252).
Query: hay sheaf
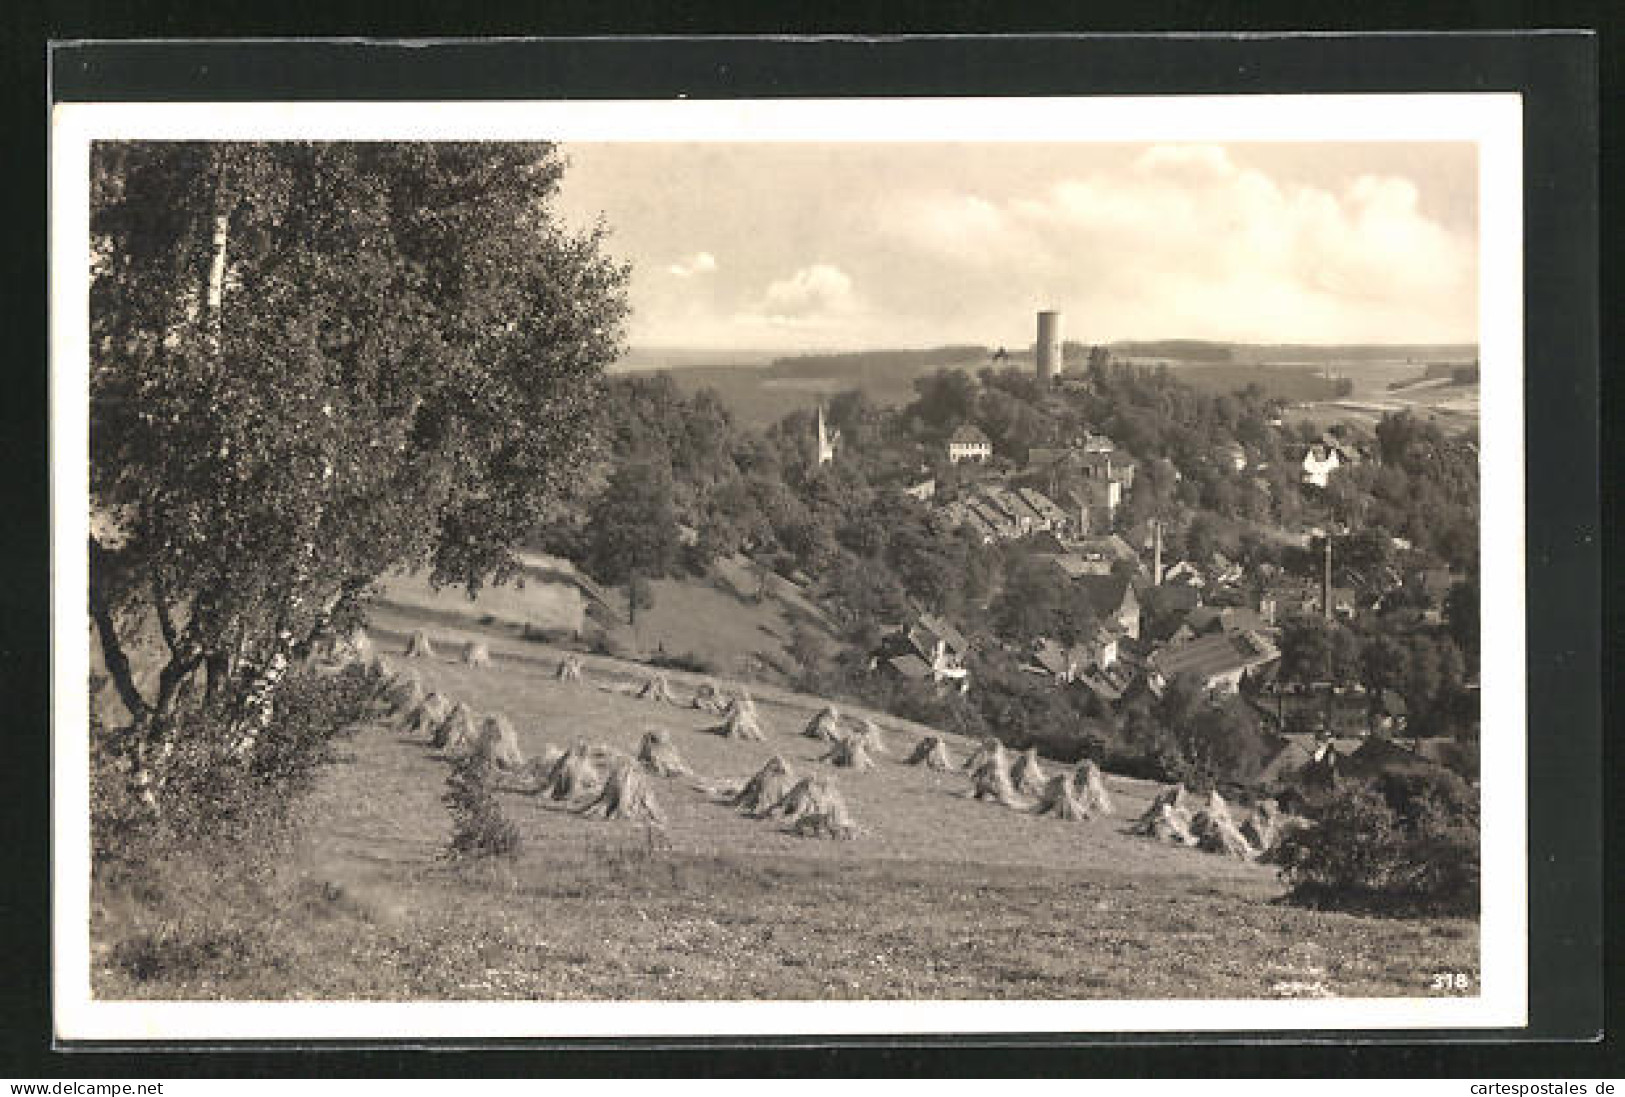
(932, 753)
(659, 756)
(824, 824)
(851, 752)
(741, 724)
(456, 732)
(1091, 786)
(1167, 824)
(825, 725)
(403, 692)
(708, 698)
(1060, 799)
(427, 715)
(766, 788)
(1027, 775)
(869, 734)
(1215, 833)
(1262, 827)
(741, 702)
(499, 744)
(1168, 819)
(476, 654)
(625, 796)
(569, 669)
(991, 781)
(418, 647)
(1215, 806)
(984, 750)
(657, 688)
(574, 774)
(814, 793)
(1178, 797)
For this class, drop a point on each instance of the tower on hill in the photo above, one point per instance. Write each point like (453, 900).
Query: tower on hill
(1048, 347)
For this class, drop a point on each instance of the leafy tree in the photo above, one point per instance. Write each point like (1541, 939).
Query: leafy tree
(1382, 667)
(632, 531)
(1316, 650)
(1433, 674)
(1409, 842)
(1461, 615)
(1214, 738)
(946, 399)
(866, 599)
(312, 364)
(479, 827)
(930, 567)
(1039, 601)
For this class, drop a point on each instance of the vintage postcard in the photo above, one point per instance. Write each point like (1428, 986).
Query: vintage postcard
(823, 567)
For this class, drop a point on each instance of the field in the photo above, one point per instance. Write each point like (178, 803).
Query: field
(718, 619)
(939, 896)
(1297, 383)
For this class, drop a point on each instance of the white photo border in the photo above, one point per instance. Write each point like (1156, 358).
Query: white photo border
(1493, 121)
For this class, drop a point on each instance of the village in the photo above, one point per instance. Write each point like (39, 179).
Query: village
(1211, 617)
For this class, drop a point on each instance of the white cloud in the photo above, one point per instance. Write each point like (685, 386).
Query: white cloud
(1187, 241)
(811, 292)
(1191, 161)
(701, 262)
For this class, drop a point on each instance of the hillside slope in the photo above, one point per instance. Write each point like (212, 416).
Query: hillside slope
(939, 896)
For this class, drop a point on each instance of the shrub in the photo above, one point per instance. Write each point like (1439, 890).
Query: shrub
(214, 791)
(602, 642)
(1406, 843)
(479, 828)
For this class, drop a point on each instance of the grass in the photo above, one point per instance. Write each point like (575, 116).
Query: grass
(940, 897)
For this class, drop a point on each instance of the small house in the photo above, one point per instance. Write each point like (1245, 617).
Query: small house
(968, 443)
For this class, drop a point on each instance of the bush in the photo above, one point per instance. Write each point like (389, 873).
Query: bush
(213, 791)
(479, 828)
(1406, 843)
(603, 642)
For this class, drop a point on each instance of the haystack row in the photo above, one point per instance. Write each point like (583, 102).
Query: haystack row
(1177, 818)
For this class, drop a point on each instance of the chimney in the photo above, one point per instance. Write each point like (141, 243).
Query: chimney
(1326, 582)
(1156, 552)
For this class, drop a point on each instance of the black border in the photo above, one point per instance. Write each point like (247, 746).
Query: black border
(1556, 72)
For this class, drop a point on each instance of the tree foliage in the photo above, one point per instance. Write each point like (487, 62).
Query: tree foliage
(312, 364)
(1408, 841)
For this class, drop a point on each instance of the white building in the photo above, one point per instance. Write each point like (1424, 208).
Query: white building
(968, 443)
(1319, 462)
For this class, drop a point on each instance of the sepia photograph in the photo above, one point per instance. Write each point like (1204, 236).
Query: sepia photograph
(896, 566)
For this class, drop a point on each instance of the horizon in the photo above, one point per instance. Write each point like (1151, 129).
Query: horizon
(791, 351)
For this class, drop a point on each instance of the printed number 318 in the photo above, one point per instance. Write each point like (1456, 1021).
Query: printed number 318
(1451, 980)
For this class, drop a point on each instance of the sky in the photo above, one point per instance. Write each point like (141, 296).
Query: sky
(822, 246)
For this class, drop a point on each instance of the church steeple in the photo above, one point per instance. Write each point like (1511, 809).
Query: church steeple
(826, 439)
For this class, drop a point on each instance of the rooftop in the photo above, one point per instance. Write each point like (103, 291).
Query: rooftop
(1220, 653)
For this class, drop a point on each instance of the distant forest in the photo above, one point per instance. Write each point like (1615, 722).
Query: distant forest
(856, 364)
(860, 363)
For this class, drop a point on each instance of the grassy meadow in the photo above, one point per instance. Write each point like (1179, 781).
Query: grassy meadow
(938, 897)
